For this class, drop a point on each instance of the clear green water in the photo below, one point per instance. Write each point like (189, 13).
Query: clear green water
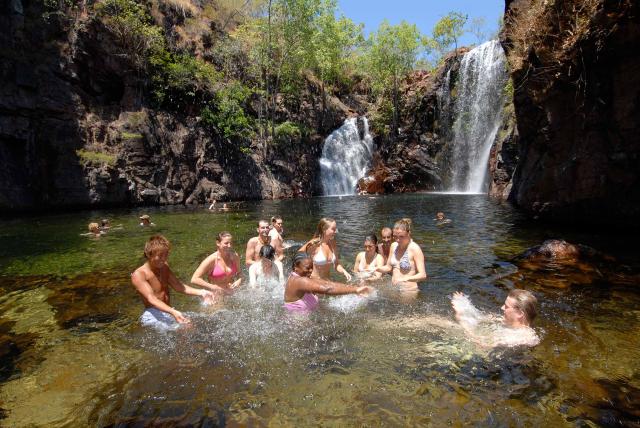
(73, 353)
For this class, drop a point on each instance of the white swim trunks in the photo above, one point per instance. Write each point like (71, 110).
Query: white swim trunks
(156, 318)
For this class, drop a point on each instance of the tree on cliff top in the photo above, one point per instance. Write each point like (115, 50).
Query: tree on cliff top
(390, 53)
(447, 31)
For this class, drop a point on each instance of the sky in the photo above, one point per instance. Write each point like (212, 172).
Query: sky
(423, 13)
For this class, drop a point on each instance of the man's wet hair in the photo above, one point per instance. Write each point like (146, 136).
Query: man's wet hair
(154, 244)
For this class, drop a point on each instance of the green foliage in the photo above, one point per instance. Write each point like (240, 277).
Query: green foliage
(297, 35)
(381, 117)
(390, 53)
(447, 31)
(131, 136)
(229, 116)
(95, 158)
(508, 89)
(334, 44)
(287, 133)
(131, 26)
(182, 81)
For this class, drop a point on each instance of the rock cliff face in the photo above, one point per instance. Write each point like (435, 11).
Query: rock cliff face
(76, 128)
(408, 163)
(576, 73)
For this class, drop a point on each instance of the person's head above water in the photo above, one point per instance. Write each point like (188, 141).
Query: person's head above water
(94, 228)
(402, 229)
(263, 228)
(104, 222)
(440, 216)
(145, 219)
(224, 241)
(519, 308)
(371, 243)
(327, 228)
(156, 245)
(276, 222)
(386, 235)
(267, 252)
(302, 264)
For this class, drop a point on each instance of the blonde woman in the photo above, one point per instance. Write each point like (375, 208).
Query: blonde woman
(406, 260)
(221, 269)
(324, 251)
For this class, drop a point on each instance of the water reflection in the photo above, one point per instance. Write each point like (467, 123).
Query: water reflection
(75, 351)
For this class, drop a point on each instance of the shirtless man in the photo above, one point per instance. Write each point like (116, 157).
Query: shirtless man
(252, 254)
(384, 247)
(152, 281)
(275, 234)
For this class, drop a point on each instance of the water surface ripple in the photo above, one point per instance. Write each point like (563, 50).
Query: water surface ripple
(73, 353)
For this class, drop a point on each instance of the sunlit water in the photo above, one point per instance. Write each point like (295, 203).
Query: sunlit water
(73, 353)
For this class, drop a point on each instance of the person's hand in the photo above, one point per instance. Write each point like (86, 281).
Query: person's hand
(363, 290)
(207, 297)
(236, 283)
(347, 275)
(181, 319)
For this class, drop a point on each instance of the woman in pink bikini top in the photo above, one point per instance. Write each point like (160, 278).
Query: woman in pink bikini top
(221, 268)
(300, 290)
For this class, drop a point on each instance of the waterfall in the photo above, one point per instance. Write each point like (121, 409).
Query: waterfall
(476, 110)
(345, 158)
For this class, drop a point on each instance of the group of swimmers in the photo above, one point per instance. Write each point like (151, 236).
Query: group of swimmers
(219, 273)
(97, 230)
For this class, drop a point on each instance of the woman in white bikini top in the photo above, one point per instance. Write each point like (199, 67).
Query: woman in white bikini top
(323, 250)
(369, 260)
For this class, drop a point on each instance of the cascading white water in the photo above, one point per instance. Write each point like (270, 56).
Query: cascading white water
(345, 158)
(477, 115)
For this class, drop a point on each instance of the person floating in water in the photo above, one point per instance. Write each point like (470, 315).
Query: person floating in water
(213, 204)
(440, 219)
(222, 268)
(386, 235)
(513, 329)
(406, 260)
(145, 221)
(301, 289)
(275, 236)
(267, 269)
(324, 250)
(105, 225)
(252, 254)
(94, 231)
(369, 260)
(152, 281)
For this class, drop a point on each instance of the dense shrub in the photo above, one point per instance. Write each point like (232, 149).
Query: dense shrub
(228, 115)
(287, 133)
(181, 81)
(132, 28)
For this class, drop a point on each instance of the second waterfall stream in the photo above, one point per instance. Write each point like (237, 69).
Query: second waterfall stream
(345, 158)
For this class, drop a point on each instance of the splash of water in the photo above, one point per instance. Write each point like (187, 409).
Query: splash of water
(476, 111)
(345, 158)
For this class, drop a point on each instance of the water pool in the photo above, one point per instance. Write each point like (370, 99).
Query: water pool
(73, 353)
